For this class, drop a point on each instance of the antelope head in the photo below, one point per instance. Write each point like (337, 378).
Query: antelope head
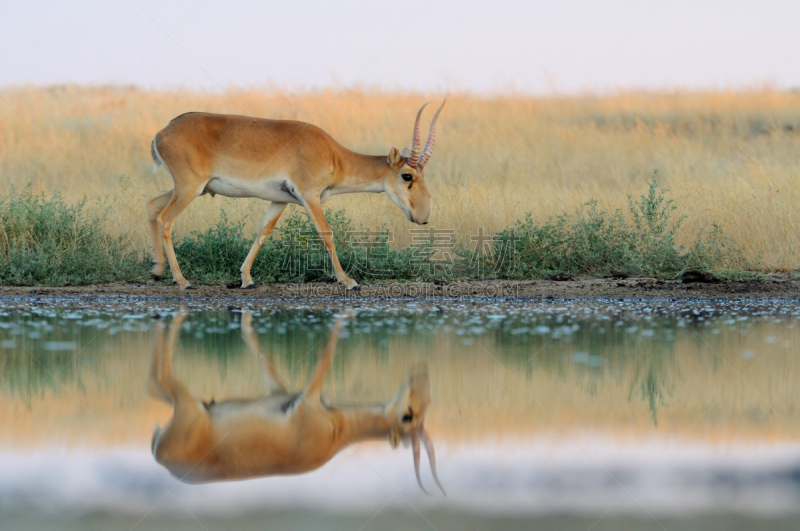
(405, 183)
(408, 408)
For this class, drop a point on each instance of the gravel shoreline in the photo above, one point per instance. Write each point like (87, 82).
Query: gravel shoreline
(776, 286)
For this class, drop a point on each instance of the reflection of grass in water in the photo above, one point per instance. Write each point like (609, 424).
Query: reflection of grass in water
(647, 362)
(25, 374)
(596, 356)
(294, 339)
(652, 378)
(650, 390)
(43, 359)
(26, 370)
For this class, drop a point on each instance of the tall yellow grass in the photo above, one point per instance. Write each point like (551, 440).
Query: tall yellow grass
(729, 158)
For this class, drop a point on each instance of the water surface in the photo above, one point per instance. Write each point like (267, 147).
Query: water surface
(557, 414)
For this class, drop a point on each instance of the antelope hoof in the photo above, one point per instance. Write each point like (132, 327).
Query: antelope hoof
(233, 285)
(183, 285)
(350, 284)
(251, 286)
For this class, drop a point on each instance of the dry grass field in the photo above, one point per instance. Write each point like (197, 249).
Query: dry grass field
(728, 158)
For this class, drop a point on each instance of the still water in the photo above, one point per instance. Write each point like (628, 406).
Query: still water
(552, 415)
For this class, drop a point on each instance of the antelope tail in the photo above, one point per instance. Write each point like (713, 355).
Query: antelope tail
(156, 157)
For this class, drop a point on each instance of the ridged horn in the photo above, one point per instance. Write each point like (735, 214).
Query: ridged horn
(414, 158)
(431, 457)
(426, 153)
(415, 450)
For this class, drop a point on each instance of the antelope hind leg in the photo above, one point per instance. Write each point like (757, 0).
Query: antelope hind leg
(155, 207)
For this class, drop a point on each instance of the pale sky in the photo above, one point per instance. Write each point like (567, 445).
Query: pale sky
(439, 45)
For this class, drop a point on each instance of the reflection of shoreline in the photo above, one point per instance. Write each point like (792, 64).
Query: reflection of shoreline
(522, 478)
(613, 376)
(696, 413)
(701, 397)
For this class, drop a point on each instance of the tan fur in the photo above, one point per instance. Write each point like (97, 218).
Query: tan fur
(279, 433)
(277, 160)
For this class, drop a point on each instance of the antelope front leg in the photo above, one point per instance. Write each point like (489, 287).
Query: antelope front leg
(316, 214)
(274, 211)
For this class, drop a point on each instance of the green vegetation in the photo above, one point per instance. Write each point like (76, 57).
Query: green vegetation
(596, 242)
(45, 241)
(48, 242)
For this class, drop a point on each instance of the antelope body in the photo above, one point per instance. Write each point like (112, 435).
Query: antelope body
(280, 161)
(281, 432)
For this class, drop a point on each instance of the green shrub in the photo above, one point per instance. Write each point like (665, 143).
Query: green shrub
(593, 241)
(295, 253)
(212, 256)
(47, 242)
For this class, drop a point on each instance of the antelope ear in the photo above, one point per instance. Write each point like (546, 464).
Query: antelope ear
(394, 159)
(406, 153)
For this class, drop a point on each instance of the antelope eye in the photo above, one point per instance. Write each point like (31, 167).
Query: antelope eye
(407, 177)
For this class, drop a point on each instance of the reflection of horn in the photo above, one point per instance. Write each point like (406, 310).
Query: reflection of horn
(431, 458)
(428, 151)
(414, 158)
(415, 448)
(154, 440)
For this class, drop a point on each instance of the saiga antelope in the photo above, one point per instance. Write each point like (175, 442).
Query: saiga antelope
(281, 161)
(279, 433)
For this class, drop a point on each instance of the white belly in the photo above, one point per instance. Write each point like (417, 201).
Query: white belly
(279, 189)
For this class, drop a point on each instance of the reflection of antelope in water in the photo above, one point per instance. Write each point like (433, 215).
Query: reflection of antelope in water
(281, 432)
